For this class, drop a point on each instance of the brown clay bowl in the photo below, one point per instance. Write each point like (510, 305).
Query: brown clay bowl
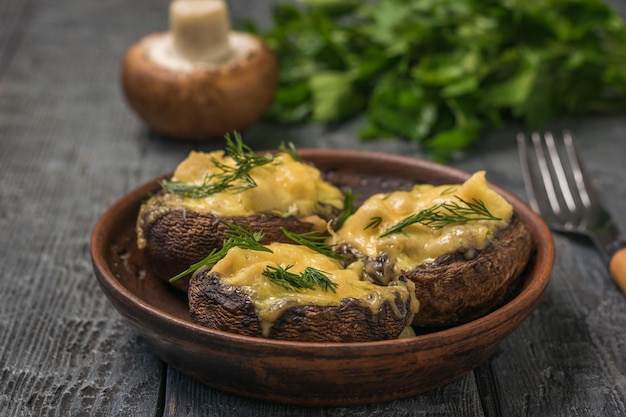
(316, 374)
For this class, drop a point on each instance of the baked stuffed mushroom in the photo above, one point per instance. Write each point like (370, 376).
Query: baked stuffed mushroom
(291, 292)
(186, 220)
(461, 244)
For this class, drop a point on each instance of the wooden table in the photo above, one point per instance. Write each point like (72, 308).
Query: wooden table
(69, 146)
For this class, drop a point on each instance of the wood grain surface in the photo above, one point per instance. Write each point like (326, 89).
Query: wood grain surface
(70, 146)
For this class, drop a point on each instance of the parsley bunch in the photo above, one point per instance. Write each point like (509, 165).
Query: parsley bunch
(437, 72)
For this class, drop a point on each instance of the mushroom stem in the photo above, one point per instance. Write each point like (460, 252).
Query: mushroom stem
(200, 30)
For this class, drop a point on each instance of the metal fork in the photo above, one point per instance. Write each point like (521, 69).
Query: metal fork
(561, 192)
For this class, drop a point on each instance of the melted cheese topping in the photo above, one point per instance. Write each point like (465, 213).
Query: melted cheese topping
(418, 243)
(243, 268)
(285, 187)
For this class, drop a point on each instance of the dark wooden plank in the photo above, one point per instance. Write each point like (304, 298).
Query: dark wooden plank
(64, 157)
(14, 18)
(188, 398)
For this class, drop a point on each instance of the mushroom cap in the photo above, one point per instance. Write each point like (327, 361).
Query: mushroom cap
(231, 309)
(182, 238)
(201, 101)
(453, 290)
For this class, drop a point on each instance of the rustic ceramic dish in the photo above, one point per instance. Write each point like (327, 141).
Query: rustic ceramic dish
(311, 373)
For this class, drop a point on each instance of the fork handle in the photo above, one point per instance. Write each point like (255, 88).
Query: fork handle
(617, 266)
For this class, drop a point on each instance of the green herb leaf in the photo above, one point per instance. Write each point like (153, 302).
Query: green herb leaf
(229, 178)
(332, 6)
(290, 148)
(347, 211)
(314, 241)
(235, 236)
(374, 223)
(445, 214)
(309, 279)
(334, 97)
(409, 66)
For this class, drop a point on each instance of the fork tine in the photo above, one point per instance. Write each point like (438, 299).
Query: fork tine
(577, 170)
(542, 161)
(522, 147)
(533, 181)
(559, 171)
(556, 183)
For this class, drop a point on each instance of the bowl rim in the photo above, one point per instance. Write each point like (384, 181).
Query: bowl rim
(529, 292)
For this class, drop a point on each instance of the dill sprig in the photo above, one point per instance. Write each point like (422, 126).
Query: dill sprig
(290, 149)
(235, 236)
(314, 241)
(445, 214)
(347, 211)
(234, 178)
(374, 223)
(448, 191)
(308, 279)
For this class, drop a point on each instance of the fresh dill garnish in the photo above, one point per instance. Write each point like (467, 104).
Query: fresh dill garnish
(290, 148)
(308, 279)
(314, 241)
(235, 236)
(244, 237)
(374, 222)
(234, 178)
(448, 191)
(347, 211)
(444, 214)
